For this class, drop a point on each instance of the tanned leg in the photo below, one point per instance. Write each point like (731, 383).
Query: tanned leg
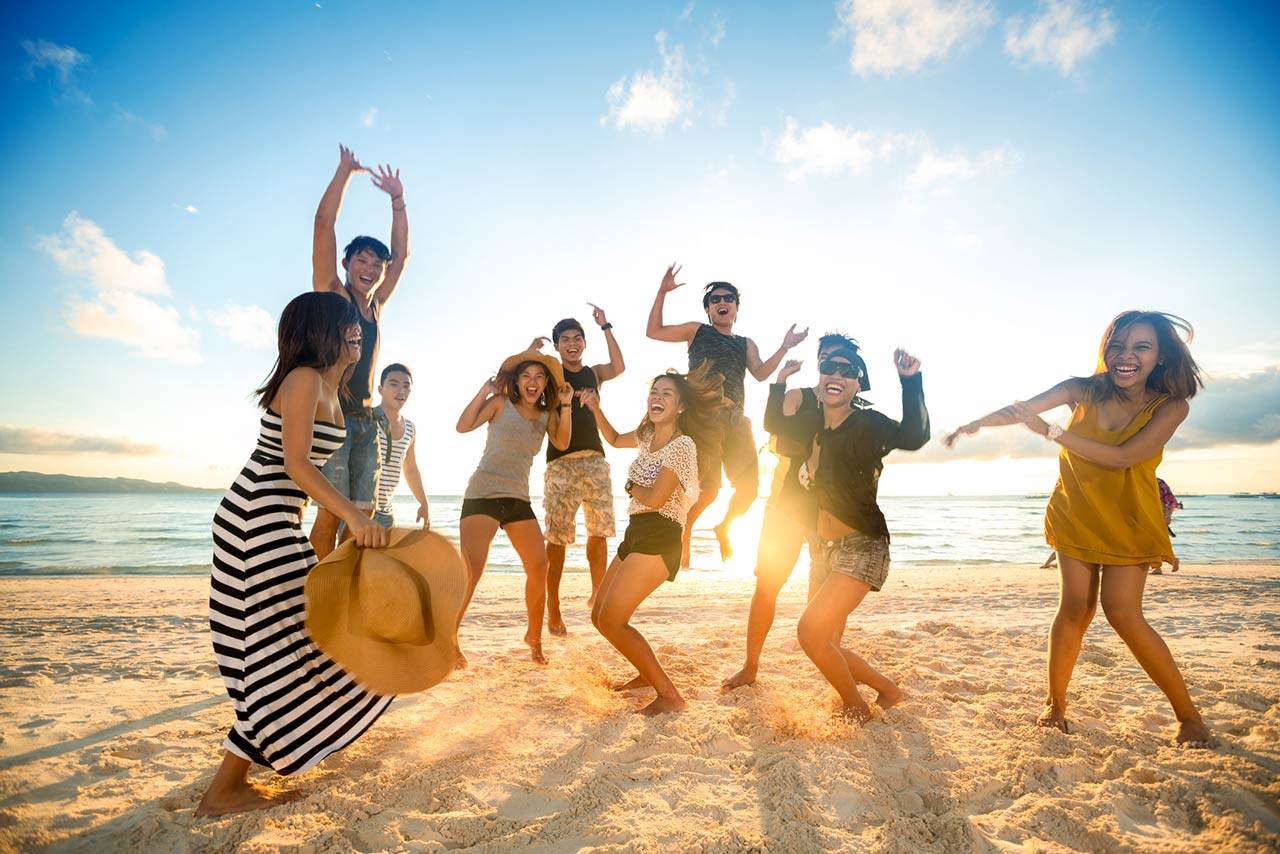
(1077, 602)
(526, 538)
(826, 611)
(231, 792)
(324, 531)
(555, 569)
(704, 501)
(475, 535)
(597, 560)
(633, 581)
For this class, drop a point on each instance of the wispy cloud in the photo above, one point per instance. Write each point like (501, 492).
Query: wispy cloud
(248, 325)
(1233, 410)
(896, 35)
(1062, 35)
(651, 100)
(370, 116)
(34, 441)
(153, 129)
(62, 62)
(82, 248)
(119, 311)
(717, 29)
(191, 209)
(826, 150)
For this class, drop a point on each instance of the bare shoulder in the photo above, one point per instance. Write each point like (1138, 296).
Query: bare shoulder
(300, 379)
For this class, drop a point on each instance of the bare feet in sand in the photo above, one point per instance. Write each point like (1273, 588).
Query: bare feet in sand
(459, 660)
(856, 715)
(1156, 571)
(242, 798)
(662, 705)
(722, 537)
(555, 625)
(745, 676)
(1053, 718)
(535, 649)
(1194, 735)
(889, 699)
(635, 682)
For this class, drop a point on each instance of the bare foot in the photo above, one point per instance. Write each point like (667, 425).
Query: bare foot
(889, 699)
(242, 798)
(1194, 735)
(722, 537)
(591, 600)
(856, 715)
(555, 625)
(459, 660)
(1176, 564)
(662, 705)
(1053, 718)
(535, 649)
(631, 684)
(1156, 571)
(745, 676)
(684, 555)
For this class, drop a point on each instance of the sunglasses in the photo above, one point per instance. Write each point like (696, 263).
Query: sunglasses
(718, 298)
(840, 369)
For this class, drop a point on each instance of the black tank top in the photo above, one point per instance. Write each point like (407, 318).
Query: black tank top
(728, 357)
(360, 384)
(586, 435)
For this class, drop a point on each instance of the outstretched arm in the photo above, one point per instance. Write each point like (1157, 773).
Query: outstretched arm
(761, 370)
(324, 241)
(1065, 393)
(483, 407)
(389, 182)
(591, 400)
(413, 477)
(616, 366)
(1138, 447)
(659, 331)
(783, 404)
(913, 431)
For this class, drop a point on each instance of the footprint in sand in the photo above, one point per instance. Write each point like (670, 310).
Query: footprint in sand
(37, 723)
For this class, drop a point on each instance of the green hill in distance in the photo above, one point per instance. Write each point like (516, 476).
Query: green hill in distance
(28, 482)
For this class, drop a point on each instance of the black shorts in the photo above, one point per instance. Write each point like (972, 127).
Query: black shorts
(653, 534)
(505, 510)
(735, 453)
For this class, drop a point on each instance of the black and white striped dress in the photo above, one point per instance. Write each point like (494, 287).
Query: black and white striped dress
(294, 706)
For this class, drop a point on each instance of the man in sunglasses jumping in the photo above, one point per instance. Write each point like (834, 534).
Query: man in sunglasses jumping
(731, 356)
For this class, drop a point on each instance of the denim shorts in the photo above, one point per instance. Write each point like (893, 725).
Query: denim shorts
(859, 556)
(355, 467)
(386, 520)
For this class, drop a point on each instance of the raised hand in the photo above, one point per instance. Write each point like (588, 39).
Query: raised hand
(967, 430)
(789, 368)
(1030, 418)
(491, 386)
(590, 398)
(348, 162)
(538, 342)
(566, 394)
(907, 364)
(669, 282)
(597, 314)
(388, 181)
(792, 338)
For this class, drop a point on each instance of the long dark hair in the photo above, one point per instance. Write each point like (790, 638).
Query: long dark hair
(1177, 373)
(311, 334)
(702, 396)
(506, 383)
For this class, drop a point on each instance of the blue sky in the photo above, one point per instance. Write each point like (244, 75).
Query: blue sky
(986, 183)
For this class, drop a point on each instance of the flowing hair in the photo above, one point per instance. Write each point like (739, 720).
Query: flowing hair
(1177, 373)
(506, 383)
(311, 334)
(702, 396)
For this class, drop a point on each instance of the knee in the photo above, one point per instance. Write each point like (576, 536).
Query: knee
(1077, 615)
(609, 625)
(537, 566)
(812, 635)
(1123, 618)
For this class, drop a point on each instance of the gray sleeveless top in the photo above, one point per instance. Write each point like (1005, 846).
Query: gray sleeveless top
(509, 449)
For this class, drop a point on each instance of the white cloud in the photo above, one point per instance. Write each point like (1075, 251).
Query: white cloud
(686, 13)
(82, 248)
(650, 101)
(191, 209)
(154, 129)
(1064, 34)
(717, 29)
(62, 60)
(369, 117)
(891, 35)
(829, 150)
(36, 441)
(154, 330)
(933, 169)
(248, 325)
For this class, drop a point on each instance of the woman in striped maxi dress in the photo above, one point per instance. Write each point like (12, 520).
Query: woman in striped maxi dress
(294, 706)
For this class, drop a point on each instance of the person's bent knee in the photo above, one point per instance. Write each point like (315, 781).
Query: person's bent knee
(1076, 615)
(812, 636)
(1124, 619)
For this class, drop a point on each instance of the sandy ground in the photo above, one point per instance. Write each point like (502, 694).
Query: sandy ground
(111, 714)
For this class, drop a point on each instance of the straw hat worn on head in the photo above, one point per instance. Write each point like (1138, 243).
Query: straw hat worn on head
(389, 616)
(551, 363)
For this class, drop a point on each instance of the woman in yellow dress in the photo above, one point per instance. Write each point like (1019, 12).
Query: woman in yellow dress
(1104, 518)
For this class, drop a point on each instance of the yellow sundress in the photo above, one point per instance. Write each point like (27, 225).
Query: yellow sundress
(1101, 516)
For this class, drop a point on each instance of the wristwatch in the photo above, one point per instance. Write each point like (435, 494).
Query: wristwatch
(606, 327)
(1054, 431)
(628, 486)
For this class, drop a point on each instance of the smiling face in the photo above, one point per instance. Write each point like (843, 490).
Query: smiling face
(722, 307)
(530, 383)
(352, 341)
(664, 402)
(570, 346)
(365, 271)
(1131, 355)
(395, 390)
(836, 381)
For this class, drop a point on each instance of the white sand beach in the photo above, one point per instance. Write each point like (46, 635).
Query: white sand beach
(112, 714)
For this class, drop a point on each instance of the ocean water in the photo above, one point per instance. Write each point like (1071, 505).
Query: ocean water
(170, 534)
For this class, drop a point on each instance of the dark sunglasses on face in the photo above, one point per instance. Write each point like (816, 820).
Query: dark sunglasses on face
(718, 298)
(840, 369)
